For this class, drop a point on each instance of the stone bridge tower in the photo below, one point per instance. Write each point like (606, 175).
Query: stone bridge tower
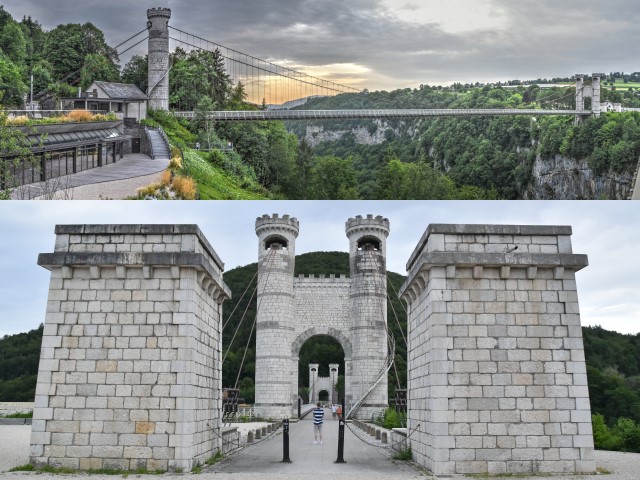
(158, 25)
(276, 381)
(368, 299)
(588, 91)
(292, 310)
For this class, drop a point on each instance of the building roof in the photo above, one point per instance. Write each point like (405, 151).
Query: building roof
(126, 91)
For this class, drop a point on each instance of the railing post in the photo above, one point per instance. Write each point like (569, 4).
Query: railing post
(285, 441)
(43, 167)
(299, 407)
(75, 159)
(341, 425)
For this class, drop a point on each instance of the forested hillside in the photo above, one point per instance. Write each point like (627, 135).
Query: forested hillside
(481, 156)
(613, 359)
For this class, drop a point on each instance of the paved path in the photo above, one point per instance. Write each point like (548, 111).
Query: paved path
(130, 167)
(362, 459)
(310, 462)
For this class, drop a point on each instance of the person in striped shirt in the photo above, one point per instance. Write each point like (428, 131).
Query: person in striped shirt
(318, 419)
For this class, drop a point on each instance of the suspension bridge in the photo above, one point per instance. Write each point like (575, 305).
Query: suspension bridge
(279, 88)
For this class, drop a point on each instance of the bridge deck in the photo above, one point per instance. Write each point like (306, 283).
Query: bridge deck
(261, 115)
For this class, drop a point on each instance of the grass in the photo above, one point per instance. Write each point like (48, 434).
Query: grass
(74, 116)
(100, 471)
(404, 454)
(215, 184)
(18, 415)
(215, 459)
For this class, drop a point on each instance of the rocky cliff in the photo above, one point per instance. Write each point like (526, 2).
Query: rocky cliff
(316, 134)
(562, 178)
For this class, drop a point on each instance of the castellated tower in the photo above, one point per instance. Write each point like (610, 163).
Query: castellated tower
(158, 25)
(275, 383)
(368, 303)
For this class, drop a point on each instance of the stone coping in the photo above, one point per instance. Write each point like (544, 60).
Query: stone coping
(141, 229)
(483, 229)
(428, 260)
(185, 259)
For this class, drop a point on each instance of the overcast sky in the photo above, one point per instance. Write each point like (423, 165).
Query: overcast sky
(388, 44)
(607, 232)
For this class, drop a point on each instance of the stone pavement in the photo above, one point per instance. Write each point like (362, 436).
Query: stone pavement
(266, 457)
(131, 166)
(262, 462)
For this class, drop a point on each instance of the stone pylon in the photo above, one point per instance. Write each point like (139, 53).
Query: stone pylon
(276, 381)
(130, 369)
(496, 366)
(368, 301)
(158, 25)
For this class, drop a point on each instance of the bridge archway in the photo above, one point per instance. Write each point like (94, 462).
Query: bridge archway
(293, 309)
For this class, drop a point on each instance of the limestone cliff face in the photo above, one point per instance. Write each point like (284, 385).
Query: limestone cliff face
(316, 134)
(562, 178)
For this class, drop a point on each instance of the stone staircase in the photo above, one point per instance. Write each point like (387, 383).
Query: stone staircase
(159, 145)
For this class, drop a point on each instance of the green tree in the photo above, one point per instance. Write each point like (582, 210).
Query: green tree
(333, 178)
(36, 40)
(12, 88)
(68, 45)
(136, 71)
(97, 67)
(13, 43)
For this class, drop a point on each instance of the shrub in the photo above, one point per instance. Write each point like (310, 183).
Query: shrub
(391, 419)
(17, 121)
(184, 188)
(79, 116)
(167, 175)
(175, 164)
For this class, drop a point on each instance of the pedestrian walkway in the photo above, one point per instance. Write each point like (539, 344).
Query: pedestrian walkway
(308, 459)
(131, 166)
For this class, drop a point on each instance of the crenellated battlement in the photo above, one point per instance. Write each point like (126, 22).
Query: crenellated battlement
(159, 12)
(275, 221)
(305, 281)
(378, 222)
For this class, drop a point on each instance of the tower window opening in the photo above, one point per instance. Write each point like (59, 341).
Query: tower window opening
(369, 244)
(275, 242)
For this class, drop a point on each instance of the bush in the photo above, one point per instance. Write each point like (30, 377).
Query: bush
(79, 116)
(624, 436)
(184, 188)
(391, 419)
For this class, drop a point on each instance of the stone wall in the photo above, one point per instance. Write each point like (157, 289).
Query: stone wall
(497, 376)
(130, 368)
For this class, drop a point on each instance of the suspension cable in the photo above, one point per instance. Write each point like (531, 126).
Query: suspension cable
(247, 64)
(256, 58)
(244, 355)
(130, 38)
(239, 301)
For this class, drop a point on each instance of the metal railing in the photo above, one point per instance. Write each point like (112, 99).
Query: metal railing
(148, 135)
(262, 115)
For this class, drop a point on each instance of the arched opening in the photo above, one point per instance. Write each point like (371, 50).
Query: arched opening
(323, 350)
(275, 241)
(369, 243)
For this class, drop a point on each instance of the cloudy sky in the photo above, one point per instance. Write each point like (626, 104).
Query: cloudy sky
(607, 232)
(387, 44)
